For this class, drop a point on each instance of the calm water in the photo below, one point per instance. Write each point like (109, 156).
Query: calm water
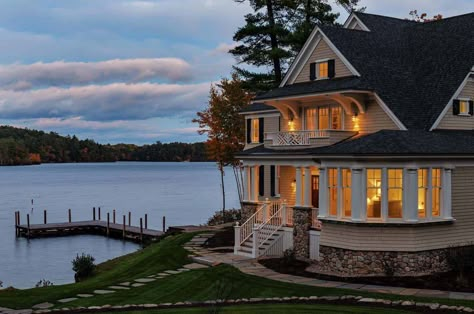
(186, 193)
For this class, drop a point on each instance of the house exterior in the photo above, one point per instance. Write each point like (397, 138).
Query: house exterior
(363, 157)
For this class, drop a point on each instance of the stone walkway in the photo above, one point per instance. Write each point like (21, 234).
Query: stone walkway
(252, 267)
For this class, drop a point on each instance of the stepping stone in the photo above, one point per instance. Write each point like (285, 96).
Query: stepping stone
(137, 285)
(183, 269)
(67, 300)
(172, 272)
(195, 266)
(125, 283)
(119, 288)
(145, 280)
(152, 276)
(163, 274)
(85, 295)
(41, 306)
(103, 291)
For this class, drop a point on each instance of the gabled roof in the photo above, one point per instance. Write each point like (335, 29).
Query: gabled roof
(415, 68)
(258, 107)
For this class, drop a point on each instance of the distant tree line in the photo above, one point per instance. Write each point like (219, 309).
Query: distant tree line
(27, 147)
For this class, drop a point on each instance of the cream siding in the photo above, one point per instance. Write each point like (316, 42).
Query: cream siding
(408, 238)
(374, 119)
(323, 51)
(270, 124)
(287, 176)
(451, 121)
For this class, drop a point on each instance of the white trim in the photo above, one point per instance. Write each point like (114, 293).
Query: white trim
(306, 52)
(318, 94)
(263, 112)
(351, 18)
(269, 115)
(389, 112)
(448, 105)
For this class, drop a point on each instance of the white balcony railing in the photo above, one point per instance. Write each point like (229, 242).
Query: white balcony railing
(291, 138)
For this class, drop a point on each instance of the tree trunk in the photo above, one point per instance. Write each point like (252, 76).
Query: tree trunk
(221, 168)
(274, 40)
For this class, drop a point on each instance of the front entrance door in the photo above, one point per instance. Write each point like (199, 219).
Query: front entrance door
(315, 191)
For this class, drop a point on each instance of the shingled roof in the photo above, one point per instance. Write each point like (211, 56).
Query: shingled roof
(414, 67)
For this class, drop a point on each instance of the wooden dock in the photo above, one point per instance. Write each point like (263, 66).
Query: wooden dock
(107, 228)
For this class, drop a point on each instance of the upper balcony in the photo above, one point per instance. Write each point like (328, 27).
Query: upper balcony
(297, 139)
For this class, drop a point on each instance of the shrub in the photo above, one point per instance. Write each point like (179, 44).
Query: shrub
(83, 266)
(230, 216)
(461, 261)
(289, 257)
(43, 283)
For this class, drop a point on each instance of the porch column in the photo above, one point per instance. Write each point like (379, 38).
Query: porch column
(245, 184)
(252, 184)
(357, 194)
(410, 208)
(446, 188)
(323, 187)
(298, 186)
(307, 187)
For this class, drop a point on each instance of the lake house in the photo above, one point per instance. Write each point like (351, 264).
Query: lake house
(363, 157)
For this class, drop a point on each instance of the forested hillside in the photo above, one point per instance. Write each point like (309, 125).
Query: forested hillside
(25, 147)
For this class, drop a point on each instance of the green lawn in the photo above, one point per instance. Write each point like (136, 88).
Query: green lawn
(195, 285)
(282, 308)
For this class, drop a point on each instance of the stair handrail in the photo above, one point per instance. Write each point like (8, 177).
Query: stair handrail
(246, 228)
(267, 229)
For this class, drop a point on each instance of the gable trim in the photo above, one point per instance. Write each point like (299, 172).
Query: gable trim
(456, 94)
(353, 17)
(305, 53)
(389, 113)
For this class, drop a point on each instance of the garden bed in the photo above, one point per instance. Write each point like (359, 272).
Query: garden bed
(441, 281)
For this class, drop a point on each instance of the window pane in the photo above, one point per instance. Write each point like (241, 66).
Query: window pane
(332, 180)
(463, 107)
(346, 192)
(255, 130)
(336, 118)
(323, 118)
(311, 119)
(422, 192)
(374, 193)
(395, 193)
(435, 192)
(323, 70)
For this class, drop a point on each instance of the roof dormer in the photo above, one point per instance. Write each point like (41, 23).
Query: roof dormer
(354, 22)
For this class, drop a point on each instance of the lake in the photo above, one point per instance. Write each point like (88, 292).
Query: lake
(186, 193)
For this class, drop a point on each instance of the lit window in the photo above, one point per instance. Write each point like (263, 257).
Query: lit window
(395, 193)
(435, 192)
(332, 176)
(311, 115)
(422, 192)
(464, 107)
(255, 131)
(323, 70)
(374, 193)
(346, 192)
(323, 119)
(336, 118)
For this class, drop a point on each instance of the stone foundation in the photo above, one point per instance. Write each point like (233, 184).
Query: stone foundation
(248, 209)
(301, 226)
(342, 262)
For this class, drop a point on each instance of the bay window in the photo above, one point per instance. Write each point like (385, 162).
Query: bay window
(332, 189)
(435, 192)
(346, 192)
(374, 193)
(422, 192)
(395, 193)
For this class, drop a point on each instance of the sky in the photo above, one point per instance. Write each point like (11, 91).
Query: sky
(133, 71)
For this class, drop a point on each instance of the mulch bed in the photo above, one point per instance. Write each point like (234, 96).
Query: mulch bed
(440, 281)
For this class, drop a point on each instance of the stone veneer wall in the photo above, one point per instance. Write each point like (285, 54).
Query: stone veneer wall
(301, 225)
(344, 262)
(248, 209)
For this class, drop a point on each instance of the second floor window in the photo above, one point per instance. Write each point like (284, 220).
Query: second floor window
(463, 107)
(323, 70)
(324, 118)
(255, 130)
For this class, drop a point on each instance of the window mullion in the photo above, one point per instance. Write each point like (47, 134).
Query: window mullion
(384, 194)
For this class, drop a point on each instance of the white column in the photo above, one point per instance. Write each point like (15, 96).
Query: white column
(252, 184)
(245, 184)
(298, 186)
(446, 188)
(357, 194)
(307, 187)
(429, 200)
(410, 204)
(323, 193)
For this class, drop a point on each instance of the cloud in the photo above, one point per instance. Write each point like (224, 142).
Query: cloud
(59, 73)
(117, 101)
(223, 48)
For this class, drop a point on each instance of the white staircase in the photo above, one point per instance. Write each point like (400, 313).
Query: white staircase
(262, 231)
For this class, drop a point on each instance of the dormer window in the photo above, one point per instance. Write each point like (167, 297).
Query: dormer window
(322, 69)
(463, 107)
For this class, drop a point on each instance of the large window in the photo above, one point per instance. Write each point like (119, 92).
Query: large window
(332, 189)
(323, 120)
(311, 119)
(436, 192)
(422, 192)
(255, 130)
(395, 193)
(336, 118)
(346, 192)
(374, 193)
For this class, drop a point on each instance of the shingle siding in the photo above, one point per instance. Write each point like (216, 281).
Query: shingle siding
(453, 122)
